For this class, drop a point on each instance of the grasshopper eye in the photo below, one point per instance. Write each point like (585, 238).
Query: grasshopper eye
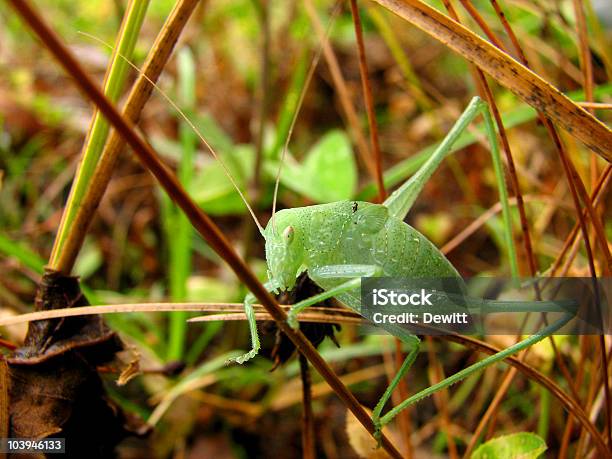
(288, 234)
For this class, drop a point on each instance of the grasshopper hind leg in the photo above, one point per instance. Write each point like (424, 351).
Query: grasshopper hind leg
(354, 274)
(415, 345)
(380, 421)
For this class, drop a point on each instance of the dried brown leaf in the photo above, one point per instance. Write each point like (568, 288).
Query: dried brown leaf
(53, 386)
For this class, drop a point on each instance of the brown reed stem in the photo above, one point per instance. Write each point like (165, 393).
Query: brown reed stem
(201, 222)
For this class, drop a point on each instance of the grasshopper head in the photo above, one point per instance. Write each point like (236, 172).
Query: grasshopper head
(284, 249)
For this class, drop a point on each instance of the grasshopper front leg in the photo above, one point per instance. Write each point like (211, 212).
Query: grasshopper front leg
(353, 272)
(249, 299)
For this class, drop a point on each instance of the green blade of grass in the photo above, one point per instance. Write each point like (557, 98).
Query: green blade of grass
(503, 196)
(181, 235)
(99, 128)
(291, 101)
(209, 331)
(388, 35)
(184, 384)
(22, 253)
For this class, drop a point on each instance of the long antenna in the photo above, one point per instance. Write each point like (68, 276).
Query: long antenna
(309, 76)
(191, 125)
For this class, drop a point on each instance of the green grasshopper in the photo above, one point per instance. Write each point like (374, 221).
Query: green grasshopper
(337, 244)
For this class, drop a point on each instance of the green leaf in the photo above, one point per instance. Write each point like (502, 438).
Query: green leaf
(522, 445)
(213, 133)
(328, 172)
(331, 167)
(205, 288)
(213, 191)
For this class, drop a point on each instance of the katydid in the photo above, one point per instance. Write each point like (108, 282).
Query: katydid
(338, 243)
